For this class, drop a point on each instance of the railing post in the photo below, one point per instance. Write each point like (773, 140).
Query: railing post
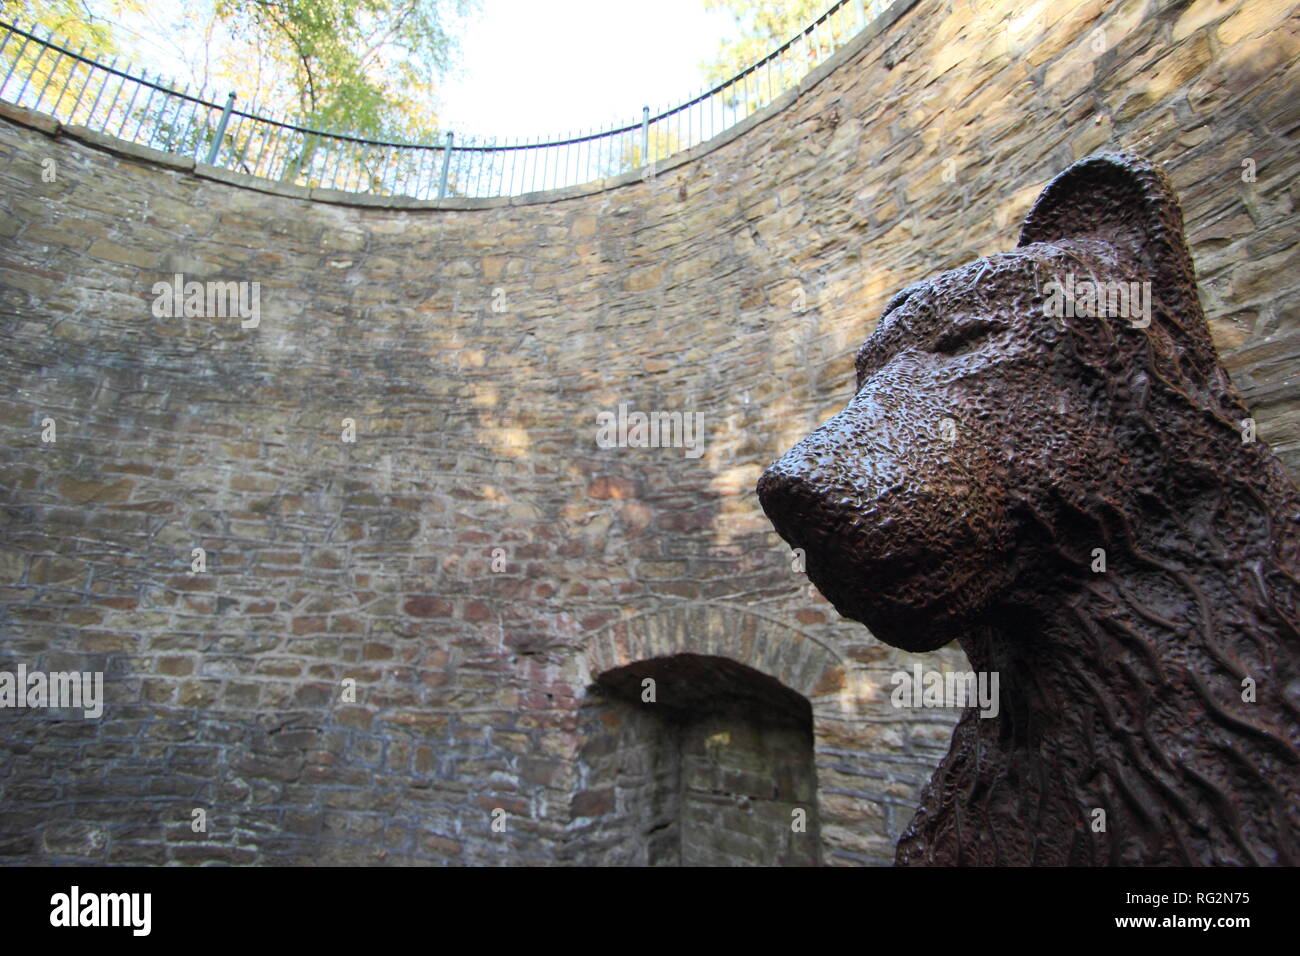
(221, 130)
(446, 167)
(860, 7)
(645, 136)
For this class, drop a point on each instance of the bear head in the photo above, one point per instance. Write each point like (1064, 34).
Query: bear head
(1009, 414)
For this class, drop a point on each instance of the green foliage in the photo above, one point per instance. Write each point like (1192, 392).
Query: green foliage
(368, 66)
(50, 80)
(761, 26)
(73, 21)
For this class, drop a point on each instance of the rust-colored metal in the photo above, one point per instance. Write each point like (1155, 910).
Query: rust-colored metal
(1076, 499)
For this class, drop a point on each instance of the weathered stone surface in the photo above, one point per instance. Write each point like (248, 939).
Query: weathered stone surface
(475, 491)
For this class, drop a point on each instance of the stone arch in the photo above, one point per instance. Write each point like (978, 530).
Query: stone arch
(868, 762)
(790, 655)
(722, 768)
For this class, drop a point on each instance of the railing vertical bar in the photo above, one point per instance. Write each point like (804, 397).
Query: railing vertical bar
(460, 158)
(365, 178)
(95, 105)
(72, 115)
(475, 160)
(239, 160)
(50, 79)
(344, 159)
(343, 154)
(478, 173)
(144, 110)
(35, 63)
(361, 158)
(117, 94)
(338, 146)
(511, 155)
(189, 125)
(412, 167)
(271, 146)
(126, 113)
(296, 165)
(17, 59)
(577, 149)
(508, 162)
(525, 156)
(349, 155)
(329, 168)
(514, 166)
(426, 159)
(523, 167)
(259, 128)
(58, 97)
(357, 155)
(379, 180)
(327, 149)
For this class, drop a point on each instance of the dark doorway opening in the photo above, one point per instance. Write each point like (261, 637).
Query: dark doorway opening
(696, 761)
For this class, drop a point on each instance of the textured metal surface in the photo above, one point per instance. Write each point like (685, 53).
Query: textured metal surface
(989, 450)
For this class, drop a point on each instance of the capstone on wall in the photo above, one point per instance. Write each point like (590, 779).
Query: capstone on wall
(473, 562)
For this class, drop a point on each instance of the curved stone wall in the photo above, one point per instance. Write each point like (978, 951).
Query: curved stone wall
(394, 636)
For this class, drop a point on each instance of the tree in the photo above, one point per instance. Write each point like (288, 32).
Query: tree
(367, 66)
(73, 21)
(762, 27)
(47, 79)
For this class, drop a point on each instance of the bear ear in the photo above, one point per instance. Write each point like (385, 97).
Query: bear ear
(1126, 199)
(1119, 197)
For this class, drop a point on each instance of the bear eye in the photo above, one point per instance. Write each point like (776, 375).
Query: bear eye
(966, 336)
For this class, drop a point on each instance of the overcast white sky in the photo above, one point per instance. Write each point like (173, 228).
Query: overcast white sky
(527, 67)
(554, 66)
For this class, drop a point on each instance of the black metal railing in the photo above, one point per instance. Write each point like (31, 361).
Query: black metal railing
(46, 75)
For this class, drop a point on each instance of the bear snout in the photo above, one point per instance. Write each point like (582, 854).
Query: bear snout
(897, 532)
(817, 497)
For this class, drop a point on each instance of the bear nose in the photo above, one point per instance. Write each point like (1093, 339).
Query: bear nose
(789, 493)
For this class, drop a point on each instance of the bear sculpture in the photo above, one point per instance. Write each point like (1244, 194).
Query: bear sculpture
(1045, 461)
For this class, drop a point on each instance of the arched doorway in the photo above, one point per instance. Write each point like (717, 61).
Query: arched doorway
(697, 760)
(871, 758)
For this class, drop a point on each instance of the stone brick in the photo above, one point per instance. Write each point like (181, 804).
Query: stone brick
(472, 678)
